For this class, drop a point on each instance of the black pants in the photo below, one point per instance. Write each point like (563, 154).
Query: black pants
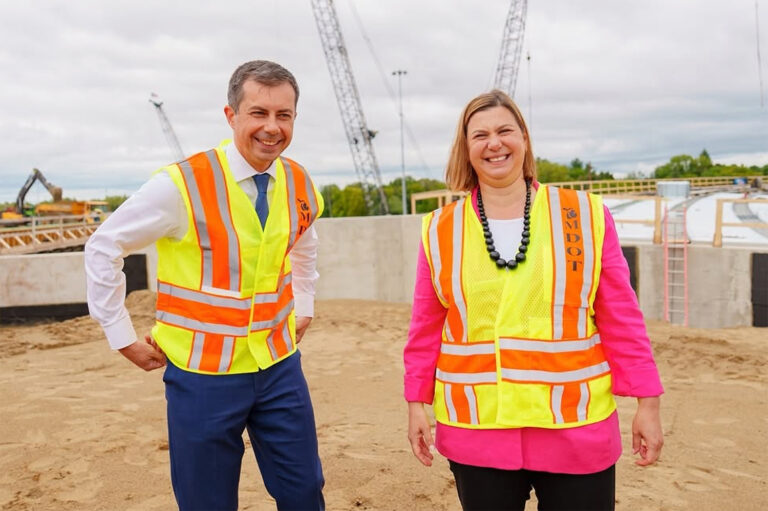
(491, 489)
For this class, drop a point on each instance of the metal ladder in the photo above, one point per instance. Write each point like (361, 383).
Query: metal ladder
(676, 266)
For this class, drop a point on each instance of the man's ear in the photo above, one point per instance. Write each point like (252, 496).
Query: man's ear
(230, 114)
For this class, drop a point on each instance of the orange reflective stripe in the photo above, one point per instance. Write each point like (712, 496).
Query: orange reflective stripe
(304, 196)
(552, 362)
(445, 246)
(211, 352)
(467, 363)
(263, 310)
(461, 403)
(571, 218)
(450, 246)
(570, 402)
(202, 312)
(573, 247)
(217, 234)
(279, 340)
(211, 355)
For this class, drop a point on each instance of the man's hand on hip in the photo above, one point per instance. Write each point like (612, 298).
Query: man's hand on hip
(302, 323)
(147, 355)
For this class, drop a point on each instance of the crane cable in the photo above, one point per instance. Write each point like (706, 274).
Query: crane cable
(384, 78)
(759, 63)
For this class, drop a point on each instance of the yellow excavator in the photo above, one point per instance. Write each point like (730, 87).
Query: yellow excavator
(56, 208)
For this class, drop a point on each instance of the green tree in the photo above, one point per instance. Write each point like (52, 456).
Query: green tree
(114, 201)
(551, 172)
(332, 199)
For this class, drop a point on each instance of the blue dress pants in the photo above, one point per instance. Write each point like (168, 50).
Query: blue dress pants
(207, 415)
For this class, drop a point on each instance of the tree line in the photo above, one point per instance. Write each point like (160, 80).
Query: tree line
(349, 200)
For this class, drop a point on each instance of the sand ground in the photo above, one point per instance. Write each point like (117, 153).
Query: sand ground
(80, 428)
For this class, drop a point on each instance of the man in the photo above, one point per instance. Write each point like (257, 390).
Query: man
(234, 235)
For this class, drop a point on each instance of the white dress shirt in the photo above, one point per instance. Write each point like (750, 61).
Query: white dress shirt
(155, 211)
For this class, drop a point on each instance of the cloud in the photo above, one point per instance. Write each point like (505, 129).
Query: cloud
(623, 85)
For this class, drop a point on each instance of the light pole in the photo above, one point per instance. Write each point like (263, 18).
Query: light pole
(399, 73)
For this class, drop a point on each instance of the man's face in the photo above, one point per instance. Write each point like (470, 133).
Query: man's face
(262, 126)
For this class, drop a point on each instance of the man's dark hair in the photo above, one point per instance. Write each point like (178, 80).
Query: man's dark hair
(261, 71)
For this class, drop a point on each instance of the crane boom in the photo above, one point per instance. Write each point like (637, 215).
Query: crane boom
(359, 136)
(511, 48)
(170, 135)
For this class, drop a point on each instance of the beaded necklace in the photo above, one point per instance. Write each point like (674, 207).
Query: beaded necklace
(525, 240)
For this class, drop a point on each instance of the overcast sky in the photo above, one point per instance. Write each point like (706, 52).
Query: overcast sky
(622, 84)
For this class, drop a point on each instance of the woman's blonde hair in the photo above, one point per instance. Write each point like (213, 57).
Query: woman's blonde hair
(459, 174)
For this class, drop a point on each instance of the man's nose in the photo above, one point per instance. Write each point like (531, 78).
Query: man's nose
(271, 125)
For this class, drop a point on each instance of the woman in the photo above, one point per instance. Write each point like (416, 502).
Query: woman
(524, 326)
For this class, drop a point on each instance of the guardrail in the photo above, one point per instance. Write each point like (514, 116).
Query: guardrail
(657, 214)
(717, 240)
(610, 186)
(41, 234)
(606, 186)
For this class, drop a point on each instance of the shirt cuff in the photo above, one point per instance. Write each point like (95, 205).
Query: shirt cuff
(644, 383)
(304, 305)
(121, 333)
(419, 390)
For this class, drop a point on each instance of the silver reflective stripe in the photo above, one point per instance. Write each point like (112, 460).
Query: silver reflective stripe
(449, 404)
(589, 260)
(226, 219)
(195, 296)
(193, 324)
(287, 337)
(434, 254)
(558, 243)
(533, 375)
(226, 353)
(557, 403)
(202, 228)
(468, 349)
(581, 410)
(270, 323)
(291, 186)
(197, 350)
(265, 298)
(458, 242)
(470, 393)
(271, 345)
(466, 378)
(313, 207)
(549, 346)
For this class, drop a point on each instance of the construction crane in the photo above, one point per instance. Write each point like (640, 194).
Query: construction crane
(511, 48)
(359, 136)
(170, 135)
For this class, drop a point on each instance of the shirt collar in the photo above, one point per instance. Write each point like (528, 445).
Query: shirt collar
(240, 168)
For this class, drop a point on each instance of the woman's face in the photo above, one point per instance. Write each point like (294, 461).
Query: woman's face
(496, 146)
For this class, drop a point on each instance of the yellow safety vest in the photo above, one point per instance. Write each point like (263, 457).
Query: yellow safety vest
(224, 294)
(520, 348)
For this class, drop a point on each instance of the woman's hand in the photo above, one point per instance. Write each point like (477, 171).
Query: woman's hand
(647, 436)
(420, 434)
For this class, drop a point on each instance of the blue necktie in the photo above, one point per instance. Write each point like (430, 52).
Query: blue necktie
(262, 207)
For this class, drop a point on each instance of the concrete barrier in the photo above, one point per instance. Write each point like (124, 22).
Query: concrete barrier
(374, 258)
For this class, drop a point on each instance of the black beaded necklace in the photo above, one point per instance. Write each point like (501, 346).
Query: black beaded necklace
(525, 240)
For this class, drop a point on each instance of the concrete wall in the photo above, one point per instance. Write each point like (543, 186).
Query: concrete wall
(374, 258)
(719, 284)
(48, 279)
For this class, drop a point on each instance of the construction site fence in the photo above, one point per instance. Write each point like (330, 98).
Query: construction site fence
(636, 189)
(42, 234)
(717, 240)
